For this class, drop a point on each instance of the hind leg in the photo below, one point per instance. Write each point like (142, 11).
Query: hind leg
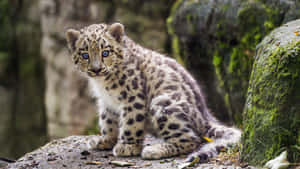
(172, 124)
(171, 147)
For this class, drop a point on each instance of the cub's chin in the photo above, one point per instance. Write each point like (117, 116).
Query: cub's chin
(92, 74)
(101, 74)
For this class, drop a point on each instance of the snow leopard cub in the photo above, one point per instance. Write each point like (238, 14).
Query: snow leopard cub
(143, 92)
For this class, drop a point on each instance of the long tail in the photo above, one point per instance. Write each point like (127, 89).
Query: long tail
(222, 137)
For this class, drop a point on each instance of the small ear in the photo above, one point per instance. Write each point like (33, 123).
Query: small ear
(116, 30)
(72, 36)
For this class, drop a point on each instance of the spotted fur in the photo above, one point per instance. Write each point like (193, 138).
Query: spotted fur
(142, 92)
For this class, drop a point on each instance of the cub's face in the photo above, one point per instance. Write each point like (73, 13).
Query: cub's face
(97, 49)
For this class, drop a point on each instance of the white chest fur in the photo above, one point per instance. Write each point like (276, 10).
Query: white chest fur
(106, 99)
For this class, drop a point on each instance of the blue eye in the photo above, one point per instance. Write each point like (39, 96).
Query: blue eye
(105, 53)
(85, 55)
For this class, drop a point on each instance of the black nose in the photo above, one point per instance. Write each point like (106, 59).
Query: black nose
(96, 70)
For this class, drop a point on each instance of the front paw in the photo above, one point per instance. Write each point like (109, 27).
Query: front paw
(125, 150)
(101, 142)
(153, 152)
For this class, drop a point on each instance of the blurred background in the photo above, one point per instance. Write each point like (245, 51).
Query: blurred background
(42, 97)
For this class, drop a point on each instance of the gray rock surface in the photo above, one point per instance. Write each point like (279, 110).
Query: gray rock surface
(72, 152)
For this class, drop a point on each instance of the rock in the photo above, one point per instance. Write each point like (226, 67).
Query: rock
(216, 39)
(67, 153)
(5, 161)
(279, 162)
(3, 164)
(271, 115)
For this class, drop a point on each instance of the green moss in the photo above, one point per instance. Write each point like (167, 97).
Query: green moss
(175, 40)
(217, 62)
(175, 6)
(175, 44)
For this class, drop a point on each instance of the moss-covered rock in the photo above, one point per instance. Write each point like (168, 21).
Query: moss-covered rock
(216, 40)
(272, 111)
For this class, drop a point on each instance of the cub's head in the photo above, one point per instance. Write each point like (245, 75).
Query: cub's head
(96, 49)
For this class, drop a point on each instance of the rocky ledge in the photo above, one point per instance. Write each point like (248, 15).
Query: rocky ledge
(72, 152)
